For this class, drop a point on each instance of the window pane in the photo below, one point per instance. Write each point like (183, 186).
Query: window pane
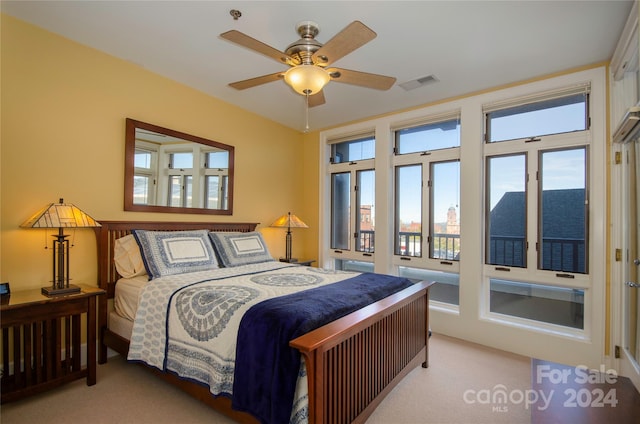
(225, 192)
(181, 160)
(563, 211)
(175, 190)
(445, 210)
(353, 150)
(188, 191)
(357, 266)
(366, 211)
(216, 192)
(554, 305)
(142, 159)
(435, 136)
(507, 211)
(212, 192)
(446, 288)
(340, 208)
(141, 190)
(217, 160)
(541, 118)
(408, 225)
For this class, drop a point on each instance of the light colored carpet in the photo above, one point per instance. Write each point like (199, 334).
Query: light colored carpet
(460, 373)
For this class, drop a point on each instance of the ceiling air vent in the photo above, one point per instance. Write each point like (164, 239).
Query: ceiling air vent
(419, 82)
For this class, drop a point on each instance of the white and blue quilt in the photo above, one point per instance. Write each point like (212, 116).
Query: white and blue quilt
(189, 324)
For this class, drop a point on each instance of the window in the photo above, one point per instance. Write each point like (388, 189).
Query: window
(340, 210)
(353, 195)
(144, 177)
(365, 195)
(142, 187)
(180, 190)
(444, 239)
(427, 137)
(216, 177)
(180, 179)
(498, 174)
(217, 159)
(351, 265)
(554, 113)
(427, 202)
(563, 223)
(537, 209)
(181, 160)
(353, 150)
(446, 285)
(549, 304)
(506, 235)
(408, 240)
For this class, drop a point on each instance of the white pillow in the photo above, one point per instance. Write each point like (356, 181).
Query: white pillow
(127, 257)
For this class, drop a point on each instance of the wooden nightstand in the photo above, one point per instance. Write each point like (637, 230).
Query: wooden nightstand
(43, 334)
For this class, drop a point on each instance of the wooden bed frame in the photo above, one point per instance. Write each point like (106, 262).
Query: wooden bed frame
(352, 363)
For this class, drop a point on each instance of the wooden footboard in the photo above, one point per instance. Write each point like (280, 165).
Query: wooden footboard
(352, 363)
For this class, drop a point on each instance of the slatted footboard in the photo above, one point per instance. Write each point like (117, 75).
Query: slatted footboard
(354, 362)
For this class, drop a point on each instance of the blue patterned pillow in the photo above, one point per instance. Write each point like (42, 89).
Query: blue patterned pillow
(175, 252)
(236, 249)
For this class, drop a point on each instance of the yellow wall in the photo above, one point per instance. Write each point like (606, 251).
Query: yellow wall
(62, 135)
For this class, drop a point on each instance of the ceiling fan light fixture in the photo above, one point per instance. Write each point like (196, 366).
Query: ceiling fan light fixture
(307, 79)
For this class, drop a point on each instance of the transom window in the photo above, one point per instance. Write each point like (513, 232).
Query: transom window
(426, 137)
(556, 113)
(353, 150)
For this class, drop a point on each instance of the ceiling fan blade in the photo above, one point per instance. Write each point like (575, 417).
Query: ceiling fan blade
(317, 99)
(257, 46)
(364, 79)
(252, 82)
(355, 35)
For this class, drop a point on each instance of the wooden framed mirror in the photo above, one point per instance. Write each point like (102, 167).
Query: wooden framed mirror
(170, 171)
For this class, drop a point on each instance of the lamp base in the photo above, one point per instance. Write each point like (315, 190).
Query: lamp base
(54, 291)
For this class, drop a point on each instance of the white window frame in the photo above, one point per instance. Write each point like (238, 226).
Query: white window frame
(351, 167)
(426, 159)
(472, 323)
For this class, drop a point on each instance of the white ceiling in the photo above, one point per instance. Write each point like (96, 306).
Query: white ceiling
(467, 45)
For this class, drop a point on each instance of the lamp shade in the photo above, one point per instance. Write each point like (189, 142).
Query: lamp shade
(60, 215)
(289, 221)
(306, 79)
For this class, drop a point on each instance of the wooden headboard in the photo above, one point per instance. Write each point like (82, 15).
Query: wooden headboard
(110, 231)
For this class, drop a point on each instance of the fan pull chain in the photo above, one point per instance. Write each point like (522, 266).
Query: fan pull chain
(306, 112)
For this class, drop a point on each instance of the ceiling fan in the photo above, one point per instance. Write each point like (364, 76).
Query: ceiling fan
(309, 59)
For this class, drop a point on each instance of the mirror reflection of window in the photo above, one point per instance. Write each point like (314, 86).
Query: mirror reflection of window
(141, 190)
(181, 160)
(142, 159)
(144, 178)
(218, 159)
(170, 171)
(180, 191)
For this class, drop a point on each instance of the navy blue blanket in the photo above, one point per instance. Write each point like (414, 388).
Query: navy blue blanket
(266, 367)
